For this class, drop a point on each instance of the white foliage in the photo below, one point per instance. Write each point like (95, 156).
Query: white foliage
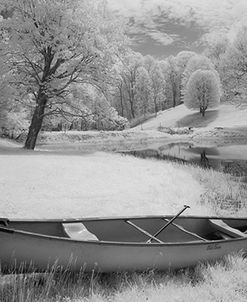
(170, 72)
(144, 91)
(195, 63)
(127, 70)
(234, 68)
(202, 90)
(158, 85)
(182, 59)
(149, 62)
(51, 44)
(217, 45)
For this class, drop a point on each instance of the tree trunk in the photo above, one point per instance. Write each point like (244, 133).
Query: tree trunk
(132, 98)
(121, 101)
(41, 100)
(36, 123)
(155, 106)
(202, 110)
(174, 95)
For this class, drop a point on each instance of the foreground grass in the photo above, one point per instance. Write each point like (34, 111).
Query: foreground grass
(224, 194)
(223, 281)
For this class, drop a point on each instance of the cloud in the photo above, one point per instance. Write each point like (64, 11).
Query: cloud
(139, 27)
(161, 38)
(208, 14)
(165, 27)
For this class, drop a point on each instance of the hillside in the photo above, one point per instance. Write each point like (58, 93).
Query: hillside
(180, 116)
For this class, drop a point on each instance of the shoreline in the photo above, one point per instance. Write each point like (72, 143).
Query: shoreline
(131, 140)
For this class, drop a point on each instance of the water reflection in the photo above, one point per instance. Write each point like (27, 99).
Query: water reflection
(227, 159)
(204, 160)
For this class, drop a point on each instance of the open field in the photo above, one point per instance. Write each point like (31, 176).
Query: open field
(50, 185)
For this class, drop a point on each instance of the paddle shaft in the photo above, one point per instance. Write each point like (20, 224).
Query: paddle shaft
(169, 222)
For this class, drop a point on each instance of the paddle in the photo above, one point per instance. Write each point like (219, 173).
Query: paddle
(168, 223)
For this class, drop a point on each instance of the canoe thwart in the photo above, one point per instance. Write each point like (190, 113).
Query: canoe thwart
(143, 231)
(169, 222)
(186, 231)
(225, 230)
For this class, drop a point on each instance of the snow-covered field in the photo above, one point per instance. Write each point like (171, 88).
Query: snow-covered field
(40, 185)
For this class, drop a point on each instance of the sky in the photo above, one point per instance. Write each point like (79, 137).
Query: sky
(165, 27)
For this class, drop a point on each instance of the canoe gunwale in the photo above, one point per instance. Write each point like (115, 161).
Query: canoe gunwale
(119, 243)
(112, 218)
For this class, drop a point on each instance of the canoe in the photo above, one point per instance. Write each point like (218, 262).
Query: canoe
(119, 243)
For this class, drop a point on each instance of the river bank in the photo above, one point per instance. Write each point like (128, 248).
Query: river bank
(129, 140)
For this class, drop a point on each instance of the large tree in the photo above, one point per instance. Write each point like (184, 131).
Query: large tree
(216, 46)
(143, 92)
(158, 85)
(128, 71)
(48, 45)
(195, 63)
(171, 76)
(182, 59)
(202, 91)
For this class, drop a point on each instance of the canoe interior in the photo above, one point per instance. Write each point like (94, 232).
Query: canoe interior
(117, 230)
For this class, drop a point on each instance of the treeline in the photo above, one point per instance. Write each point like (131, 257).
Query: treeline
(68, 66)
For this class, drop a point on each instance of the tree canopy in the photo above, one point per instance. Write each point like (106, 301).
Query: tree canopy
(202, 91)
(48, 45)
(233, 67)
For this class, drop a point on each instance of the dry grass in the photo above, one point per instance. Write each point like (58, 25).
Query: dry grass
(223, 281)
(223, 193)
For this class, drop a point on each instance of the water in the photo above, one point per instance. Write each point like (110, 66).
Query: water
(228, 159)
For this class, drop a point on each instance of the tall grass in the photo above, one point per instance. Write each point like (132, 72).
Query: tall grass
(224, 281)
(223, 193)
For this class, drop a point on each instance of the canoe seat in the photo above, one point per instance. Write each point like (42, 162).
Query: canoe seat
(225, 230)
(4, 221)
(78, 231)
